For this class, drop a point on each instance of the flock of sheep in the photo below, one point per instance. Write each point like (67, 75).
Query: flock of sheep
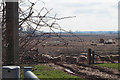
(79, 59)
(82, 58)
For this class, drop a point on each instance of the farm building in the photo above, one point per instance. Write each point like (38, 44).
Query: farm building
(110, 41)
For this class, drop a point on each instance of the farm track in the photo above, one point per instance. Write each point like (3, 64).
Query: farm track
(103, 69)
(92, 72)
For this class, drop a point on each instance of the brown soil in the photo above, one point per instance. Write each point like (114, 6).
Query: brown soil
(87, 71)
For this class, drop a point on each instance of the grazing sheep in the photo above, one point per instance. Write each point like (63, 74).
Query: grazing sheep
(57, 59)
(82, 58)
(71, 60)
(43, 58)
(85, 54)
(93, 44)
(96, 58)
(46, 55)
(43, 45)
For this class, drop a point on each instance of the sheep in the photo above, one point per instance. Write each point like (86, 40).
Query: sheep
(85, 54)
(93, 44)
(82, 58)
(44, 58)
(96, 58)
(43, 45)
(71, 60)
(57, 59)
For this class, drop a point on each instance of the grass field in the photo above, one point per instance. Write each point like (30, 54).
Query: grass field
(110, 65)
(48, 73)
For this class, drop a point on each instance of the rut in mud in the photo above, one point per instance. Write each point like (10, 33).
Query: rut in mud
(92, 72)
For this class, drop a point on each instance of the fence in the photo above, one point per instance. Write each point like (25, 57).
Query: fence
(108, 58)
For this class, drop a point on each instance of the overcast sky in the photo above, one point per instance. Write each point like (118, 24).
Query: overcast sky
(91, 15)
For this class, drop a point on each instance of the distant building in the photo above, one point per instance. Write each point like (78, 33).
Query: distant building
(110, 41)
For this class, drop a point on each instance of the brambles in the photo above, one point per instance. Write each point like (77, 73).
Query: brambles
(31, 23)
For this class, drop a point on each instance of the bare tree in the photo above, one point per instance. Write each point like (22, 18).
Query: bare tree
(33, 20)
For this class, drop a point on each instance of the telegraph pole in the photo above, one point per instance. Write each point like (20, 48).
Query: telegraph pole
(12, 32)
(1, 49)
(119, 35)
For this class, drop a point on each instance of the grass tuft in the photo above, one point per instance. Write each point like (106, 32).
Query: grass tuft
(110, 65)
(44, 72)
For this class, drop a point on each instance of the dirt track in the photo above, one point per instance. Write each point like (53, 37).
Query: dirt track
(89, 72)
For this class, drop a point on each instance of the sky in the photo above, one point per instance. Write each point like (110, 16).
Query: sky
(91, 15)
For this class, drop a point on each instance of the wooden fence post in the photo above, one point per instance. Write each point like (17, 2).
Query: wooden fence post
(89, 56)
(93, 57)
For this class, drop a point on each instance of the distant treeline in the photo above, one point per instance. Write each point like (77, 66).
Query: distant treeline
(57, 35)
(97, 32)
(68, 34)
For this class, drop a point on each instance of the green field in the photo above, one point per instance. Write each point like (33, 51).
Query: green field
(109, 65)
(48, 73)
